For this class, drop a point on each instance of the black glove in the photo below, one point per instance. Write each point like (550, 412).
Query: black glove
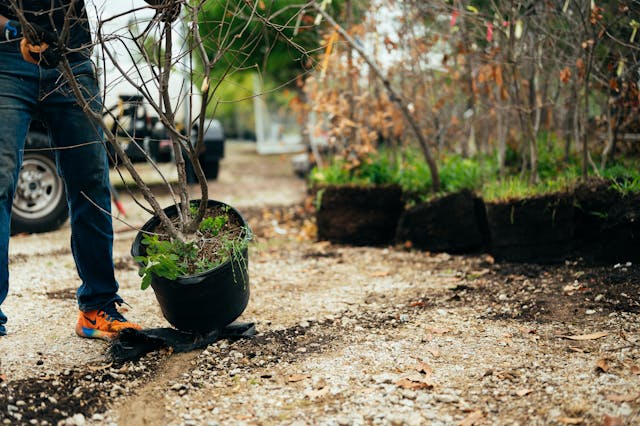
(40, 47)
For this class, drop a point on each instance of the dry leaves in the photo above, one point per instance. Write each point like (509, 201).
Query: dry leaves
(602, 365)
(523, 392)
(297, 378)
(424, 368)
(413, 384)
(434, 352)
(571, 420)
(591, 336)
(472, 419)
(612, 420)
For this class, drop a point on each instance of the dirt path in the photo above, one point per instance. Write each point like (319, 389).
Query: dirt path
(146, 407)
(346, 336)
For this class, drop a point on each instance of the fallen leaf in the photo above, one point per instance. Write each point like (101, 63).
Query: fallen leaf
(523, 392)
(99, 367)
(472, 419)
(602, 365)
(434, 352)
(379, 274)
(297, 378)
(571, 420)
(505, 375)
(612, 421)
(416, 304)
(635, 370)
(622, 398)
(3, 378)
(411, 384)
(577, 349)
(424, 368)
(591, 336)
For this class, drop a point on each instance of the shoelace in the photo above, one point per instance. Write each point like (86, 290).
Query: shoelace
(112, 314)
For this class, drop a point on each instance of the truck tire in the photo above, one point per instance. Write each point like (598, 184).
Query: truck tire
(40, 202)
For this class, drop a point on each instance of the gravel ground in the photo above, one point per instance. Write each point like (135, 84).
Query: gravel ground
(346, 335)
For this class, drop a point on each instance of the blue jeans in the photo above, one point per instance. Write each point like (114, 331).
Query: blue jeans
(26, 89)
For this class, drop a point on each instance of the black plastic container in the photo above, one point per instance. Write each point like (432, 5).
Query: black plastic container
(206, 301)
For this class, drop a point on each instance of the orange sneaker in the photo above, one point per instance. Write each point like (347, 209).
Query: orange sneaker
(102, 323)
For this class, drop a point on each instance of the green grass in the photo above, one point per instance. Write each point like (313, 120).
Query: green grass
(515, 187)
(479, 173)
(375, 169)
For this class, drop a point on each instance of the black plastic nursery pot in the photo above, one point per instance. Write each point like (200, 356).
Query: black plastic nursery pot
(358, 215)
(452, 223)
(537, 230)
(202, 302)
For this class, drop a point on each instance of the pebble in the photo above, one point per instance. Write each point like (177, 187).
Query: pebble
(448, 398)
(625, 409)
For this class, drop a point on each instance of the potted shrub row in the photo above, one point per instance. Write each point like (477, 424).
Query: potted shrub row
(561, 218)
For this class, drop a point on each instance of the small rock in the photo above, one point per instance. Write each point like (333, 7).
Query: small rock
(599, 297)
(404, 318)
(502, 297)
(450, 398)
(625, 409)
(304, 324)
(590, 312)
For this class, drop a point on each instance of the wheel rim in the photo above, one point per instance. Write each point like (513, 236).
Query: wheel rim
(39, 188)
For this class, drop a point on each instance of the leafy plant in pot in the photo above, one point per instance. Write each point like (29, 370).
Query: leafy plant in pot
(202, 284)
(193, 253)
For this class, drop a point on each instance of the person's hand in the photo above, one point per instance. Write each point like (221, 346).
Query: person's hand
(167, 10)
(40, 46)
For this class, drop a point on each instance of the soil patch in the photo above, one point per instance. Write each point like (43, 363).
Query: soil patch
(64, 294)
(573, 293)
(55, 396)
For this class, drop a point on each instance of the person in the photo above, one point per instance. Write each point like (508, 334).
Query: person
(33, 40)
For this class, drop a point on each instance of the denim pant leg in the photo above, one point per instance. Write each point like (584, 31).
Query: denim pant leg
(18, 96)
(83, 165)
